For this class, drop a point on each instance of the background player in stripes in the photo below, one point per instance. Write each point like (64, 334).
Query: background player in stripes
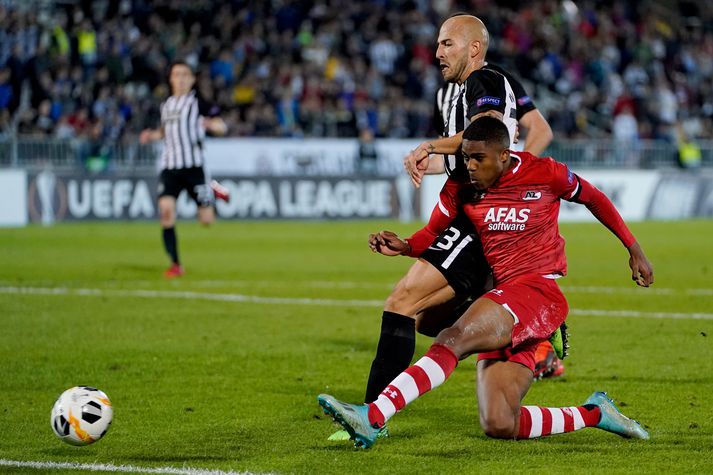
(184, 122)
(513, 201)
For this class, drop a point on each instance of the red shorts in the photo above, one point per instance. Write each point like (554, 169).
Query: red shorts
(538, 307)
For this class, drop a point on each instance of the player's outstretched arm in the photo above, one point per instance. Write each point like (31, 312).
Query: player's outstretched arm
(642, 272)
(388, 244)
(604, 210)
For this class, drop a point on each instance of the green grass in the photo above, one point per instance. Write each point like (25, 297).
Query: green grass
(233, 385)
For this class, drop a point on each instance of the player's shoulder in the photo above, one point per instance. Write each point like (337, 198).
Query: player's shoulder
(484, 75)
(486, 84)
(206, 108)
(498, 69)
(534, 164)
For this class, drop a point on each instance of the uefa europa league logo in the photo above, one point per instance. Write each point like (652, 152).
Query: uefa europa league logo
(46, 182)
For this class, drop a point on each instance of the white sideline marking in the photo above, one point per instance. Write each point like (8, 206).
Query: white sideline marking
(633, 289)
(106, 467)
(637, 314)
(319, 284)
(303, 301)
(324, 284)
(169, 294)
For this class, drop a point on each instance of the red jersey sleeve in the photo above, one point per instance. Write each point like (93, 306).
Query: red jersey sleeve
(604, 210)
(565, 184)
(574, 188)
(441, 216)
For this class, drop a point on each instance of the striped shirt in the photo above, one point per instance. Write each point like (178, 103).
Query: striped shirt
(183, 132)
(484, 90)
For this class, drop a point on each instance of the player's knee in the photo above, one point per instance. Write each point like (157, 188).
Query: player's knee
(167, 217)
(402, 300)
(453, 338)
(498, 425)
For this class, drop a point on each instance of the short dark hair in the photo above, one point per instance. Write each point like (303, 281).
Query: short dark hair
(180, 63)
(489, 130)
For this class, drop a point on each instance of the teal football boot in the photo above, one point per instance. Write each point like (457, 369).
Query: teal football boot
(354, 418)
(612, 420)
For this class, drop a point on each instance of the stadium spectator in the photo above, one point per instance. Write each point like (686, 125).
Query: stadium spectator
(368, 157)
(6, 92)
(184, 122)
(625, 131)
(569, 57)
(526, 305)
(689, 153)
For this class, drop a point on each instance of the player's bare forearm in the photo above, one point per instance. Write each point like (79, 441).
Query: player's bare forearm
(451, 145)
(150, 135)
(642, 272)
(422, 161)
(216, 126)
(444, 145)
(539, 132)
(388, 244)
(436, 165)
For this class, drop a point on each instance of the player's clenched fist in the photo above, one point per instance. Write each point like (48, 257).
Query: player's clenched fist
(388, 244)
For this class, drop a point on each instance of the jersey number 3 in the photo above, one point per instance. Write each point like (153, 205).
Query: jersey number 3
(447, 240)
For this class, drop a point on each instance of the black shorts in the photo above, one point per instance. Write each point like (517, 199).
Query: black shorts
(458, 254)
(172, 182)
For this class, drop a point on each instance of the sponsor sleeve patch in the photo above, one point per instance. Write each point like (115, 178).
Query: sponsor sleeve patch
(488, 100)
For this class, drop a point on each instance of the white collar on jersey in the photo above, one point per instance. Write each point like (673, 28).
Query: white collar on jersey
(519, 162)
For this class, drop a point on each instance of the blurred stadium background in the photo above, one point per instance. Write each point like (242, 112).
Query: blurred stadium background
(625, 85)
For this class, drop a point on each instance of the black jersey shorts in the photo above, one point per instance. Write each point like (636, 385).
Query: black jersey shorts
(458, 254)
(173, 181)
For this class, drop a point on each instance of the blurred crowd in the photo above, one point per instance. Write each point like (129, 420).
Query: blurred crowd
(331, 68)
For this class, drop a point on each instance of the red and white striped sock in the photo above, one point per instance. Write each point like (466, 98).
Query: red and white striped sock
(427, 373)
(538, 421)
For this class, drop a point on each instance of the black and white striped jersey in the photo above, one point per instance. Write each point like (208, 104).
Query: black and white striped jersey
(183, 132)
(484, 90)
(523, 99)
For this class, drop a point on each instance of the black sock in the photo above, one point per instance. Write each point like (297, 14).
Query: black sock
(171, 243)
(397, 344)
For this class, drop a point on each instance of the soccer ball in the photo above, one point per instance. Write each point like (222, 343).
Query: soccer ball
(81, 415)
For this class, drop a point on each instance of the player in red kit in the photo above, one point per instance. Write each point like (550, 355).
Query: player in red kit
(513, 201)
(435, 290)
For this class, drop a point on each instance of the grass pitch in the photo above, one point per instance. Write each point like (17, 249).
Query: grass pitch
(221, 368)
